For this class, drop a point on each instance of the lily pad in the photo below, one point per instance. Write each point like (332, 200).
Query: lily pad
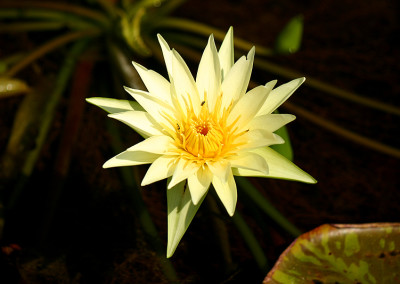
(368, 253)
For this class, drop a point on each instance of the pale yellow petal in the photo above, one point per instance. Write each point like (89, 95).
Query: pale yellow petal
(141, 121)
(163, 167)
(154, 144)
(167, 53)
(249, 161)
(271, 84)
(226, 53)
(279, 95)
(270, 122)
(114, 105)
(184, 84)
(156, 84)
(131, 158)
(279, 167)
(258, 138)
(237, 80)
(227, 192)
(247, 107)
(155, 107)
(220, 168)
(199, 183)
(208, 78)
(183, 170)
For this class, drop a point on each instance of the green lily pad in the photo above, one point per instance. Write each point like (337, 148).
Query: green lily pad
(368, 253)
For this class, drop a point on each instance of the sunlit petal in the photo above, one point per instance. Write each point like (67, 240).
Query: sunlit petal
(249, 161)
(279, 167)
(154, 106)
(183, 170)
(208, 78)
(156, 84)
(163, 167)
(237, 79)
(270, 122)
(141, 121)
(199, 183)
(167, 53)
(247, 107)
(226, 54)
(279, 95)
(154, 144)
(221, 169)
(183, 83)
(114, 105)
(131, 158)
(227, 192)
(258, 138)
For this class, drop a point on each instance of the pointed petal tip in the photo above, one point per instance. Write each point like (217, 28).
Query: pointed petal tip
(311, 180)
(107, 165)
(159, 36)
(251, 53)
(300, 80)
(231, 211)
(162, 41)
(170, 251)
(138, 66)
(195, 201)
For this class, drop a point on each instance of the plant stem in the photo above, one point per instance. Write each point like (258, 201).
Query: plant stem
(221, 231)
(251, 241)
(47, 47)
(248, 188)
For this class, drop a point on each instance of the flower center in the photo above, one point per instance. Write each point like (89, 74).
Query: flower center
(204, 135)
(202, 127)
(201, 135)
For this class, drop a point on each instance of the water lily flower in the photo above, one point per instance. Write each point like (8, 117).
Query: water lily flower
(203, 131)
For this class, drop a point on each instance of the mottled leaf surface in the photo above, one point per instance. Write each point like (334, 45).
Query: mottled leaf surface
(368, 253)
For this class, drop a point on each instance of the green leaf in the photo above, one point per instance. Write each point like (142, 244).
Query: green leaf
(368, 253)
(181, 211)
(289, 39)
(114, 105)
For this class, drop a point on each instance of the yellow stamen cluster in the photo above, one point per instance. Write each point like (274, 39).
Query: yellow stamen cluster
(202, 135)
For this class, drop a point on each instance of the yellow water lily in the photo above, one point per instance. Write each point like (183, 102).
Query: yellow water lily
(204, 130)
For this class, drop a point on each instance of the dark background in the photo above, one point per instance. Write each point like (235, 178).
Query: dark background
(97, 239)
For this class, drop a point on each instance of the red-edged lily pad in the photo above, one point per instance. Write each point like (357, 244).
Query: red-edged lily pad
(368, 253)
